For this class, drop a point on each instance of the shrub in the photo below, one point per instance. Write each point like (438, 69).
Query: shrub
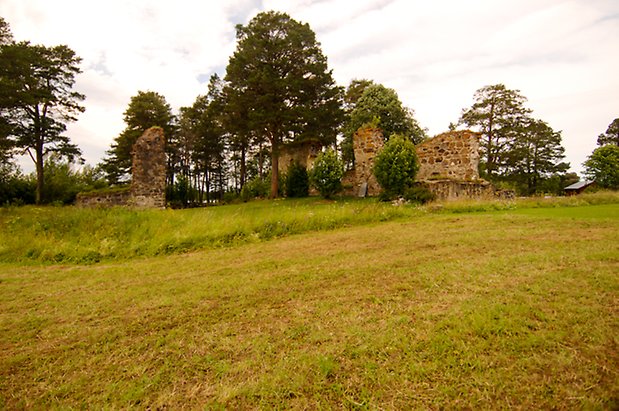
(297, 181)
(419, 194)
(256, 188)
(327, 173)
(395, 165)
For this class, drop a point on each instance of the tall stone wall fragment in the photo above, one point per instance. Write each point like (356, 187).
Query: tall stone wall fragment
(449, 156)
(367, 142)
(149, 170)
(304, 153)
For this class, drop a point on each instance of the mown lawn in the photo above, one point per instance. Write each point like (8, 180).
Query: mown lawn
(505, 309)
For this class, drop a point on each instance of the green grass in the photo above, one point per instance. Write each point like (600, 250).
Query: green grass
(508, 309)
(83, 236)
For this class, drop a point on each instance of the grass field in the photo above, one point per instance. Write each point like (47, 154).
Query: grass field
(430, 308)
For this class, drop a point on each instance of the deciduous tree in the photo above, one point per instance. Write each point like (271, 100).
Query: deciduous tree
(603, 166)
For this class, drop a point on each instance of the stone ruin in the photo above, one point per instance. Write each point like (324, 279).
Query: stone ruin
(367, 142)
(304, 153)
(148, 177)
(448, 165)
(148, 170)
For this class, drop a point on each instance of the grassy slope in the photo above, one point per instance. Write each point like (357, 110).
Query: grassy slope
(74, 235)
(487, 310)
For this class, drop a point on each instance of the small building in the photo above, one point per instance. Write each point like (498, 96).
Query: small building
(579, 187)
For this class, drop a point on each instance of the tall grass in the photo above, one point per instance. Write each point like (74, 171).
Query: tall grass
(81, 235)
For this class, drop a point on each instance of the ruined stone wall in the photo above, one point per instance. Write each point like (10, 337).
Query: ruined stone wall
(149, 170)
(109, 198)
(454, 190)
(304, 153)
(367, 142)
(449, 156)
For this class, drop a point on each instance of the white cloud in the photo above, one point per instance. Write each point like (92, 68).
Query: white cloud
(561, 54)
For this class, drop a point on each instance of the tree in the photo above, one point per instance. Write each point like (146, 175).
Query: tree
(202, 139)
(603, 166)
(497, 114)
(396, 165)
(535, 154)
(145, 110)
(37, 100)
(326, 174)
(279, 78)
(382, 105)
(611, 136)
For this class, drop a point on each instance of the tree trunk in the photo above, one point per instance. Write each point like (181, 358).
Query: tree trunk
(243, 165)
(274, 169)
(40, 176)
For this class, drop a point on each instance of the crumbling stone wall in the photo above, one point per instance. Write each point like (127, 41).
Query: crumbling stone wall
(148, 177)
(449, 156)
(367, 142)
(304, 153)
(149, 170)
(448, 165)
(108, 198)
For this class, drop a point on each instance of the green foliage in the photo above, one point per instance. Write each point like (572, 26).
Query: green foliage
(534, 155)
(496, 114)
(396, 165)
(603, 166)
(145, 110)
(37, 100)
(297, 181)
(279, 83)
(201, 144)
(381, 106)
(326, 174)
(419, 195)
(611, 136)
(257, 187)
(15, 188)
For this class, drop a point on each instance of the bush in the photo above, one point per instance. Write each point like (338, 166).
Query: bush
(297, 181)
(256, 188)
(419, 194)
(327, 173)
(395, 165)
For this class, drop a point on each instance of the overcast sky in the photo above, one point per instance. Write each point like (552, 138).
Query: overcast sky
(562, 55)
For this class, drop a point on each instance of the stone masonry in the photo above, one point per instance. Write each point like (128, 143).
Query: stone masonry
(304, 153)
(448, 165)
(149, 170)
(367, 142)
(452, 156)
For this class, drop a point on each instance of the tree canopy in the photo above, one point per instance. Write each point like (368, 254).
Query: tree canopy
(380, 106)
(611, 136)
(515, 147)
(37, 100)
(278, 77)
(603, 166)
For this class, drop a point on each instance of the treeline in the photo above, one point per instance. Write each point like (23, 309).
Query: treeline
(277, 90)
